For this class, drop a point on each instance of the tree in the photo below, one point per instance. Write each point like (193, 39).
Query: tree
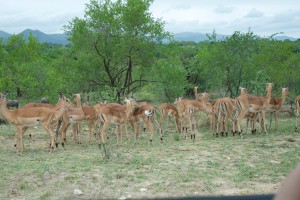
(231, 61)
(124, 37)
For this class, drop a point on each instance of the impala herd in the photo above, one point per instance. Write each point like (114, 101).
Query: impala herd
(56, 119)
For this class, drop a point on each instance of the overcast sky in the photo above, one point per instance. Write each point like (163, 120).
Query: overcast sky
(263, 17)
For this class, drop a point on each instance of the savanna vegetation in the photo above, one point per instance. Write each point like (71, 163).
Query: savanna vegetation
(112, 54)
(116, 49)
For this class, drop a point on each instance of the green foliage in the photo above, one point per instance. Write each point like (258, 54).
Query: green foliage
(172, 79)
(117, 48)
(244, 59)
(124, 36)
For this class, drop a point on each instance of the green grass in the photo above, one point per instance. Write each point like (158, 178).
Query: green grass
(175, 168)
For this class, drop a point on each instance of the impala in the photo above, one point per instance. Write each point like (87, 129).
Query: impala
(275, 106)
(24, 118)
(187, 110)
(108, 114)
(72, 115)
(223, 109)
(251, 103)
(168, 110)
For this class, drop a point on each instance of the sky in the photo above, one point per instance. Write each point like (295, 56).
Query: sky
(262, 17)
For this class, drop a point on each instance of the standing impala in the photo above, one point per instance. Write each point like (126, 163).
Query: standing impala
(275, 106)
(223, 109)
(24, 118)
(108, 114)
(73, 115)
(251, 103)
(168, 110)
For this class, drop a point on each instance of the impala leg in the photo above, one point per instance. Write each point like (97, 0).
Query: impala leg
(238, 122)
(51, 135)
(176, 121)
(158, 128)
(103, 138)
(135, 131)
(147, 122)
(17, 138)
(21, 140)
(263, 113)
(89, 124)
(162, 117)
(276, 119)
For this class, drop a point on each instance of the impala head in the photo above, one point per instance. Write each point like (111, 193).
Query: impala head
(205, 96)
(2, 97)
(76, 96)
(243, 90)
(285, 91)
(130, 104)
(269, 85)
(69, 102)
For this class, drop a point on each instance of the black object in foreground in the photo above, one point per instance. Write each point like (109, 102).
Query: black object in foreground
(246, 197)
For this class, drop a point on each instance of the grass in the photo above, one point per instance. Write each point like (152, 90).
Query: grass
(256, 164)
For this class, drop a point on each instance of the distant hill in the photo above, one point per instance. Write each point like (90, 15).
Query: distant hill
(194, 36)
(283, 37)
(42, 37)
(4, 35)
(199, 37)
(183, 36)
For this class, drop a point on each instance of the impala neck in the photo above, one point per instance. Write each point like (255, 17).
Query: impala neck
(62, 108)
(269, 91)
(4, 110)
(283, 96)
(129, 108)
(205, 97)
(57, 106)
(243, 90)
(78, 100)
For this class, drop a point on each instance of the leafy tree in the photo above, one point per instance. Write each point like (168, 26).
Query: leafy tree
(231, 61)
(124, 37)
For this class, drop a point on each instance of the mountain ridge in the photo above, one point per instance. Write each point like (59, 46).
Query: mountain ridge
(61, 38)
